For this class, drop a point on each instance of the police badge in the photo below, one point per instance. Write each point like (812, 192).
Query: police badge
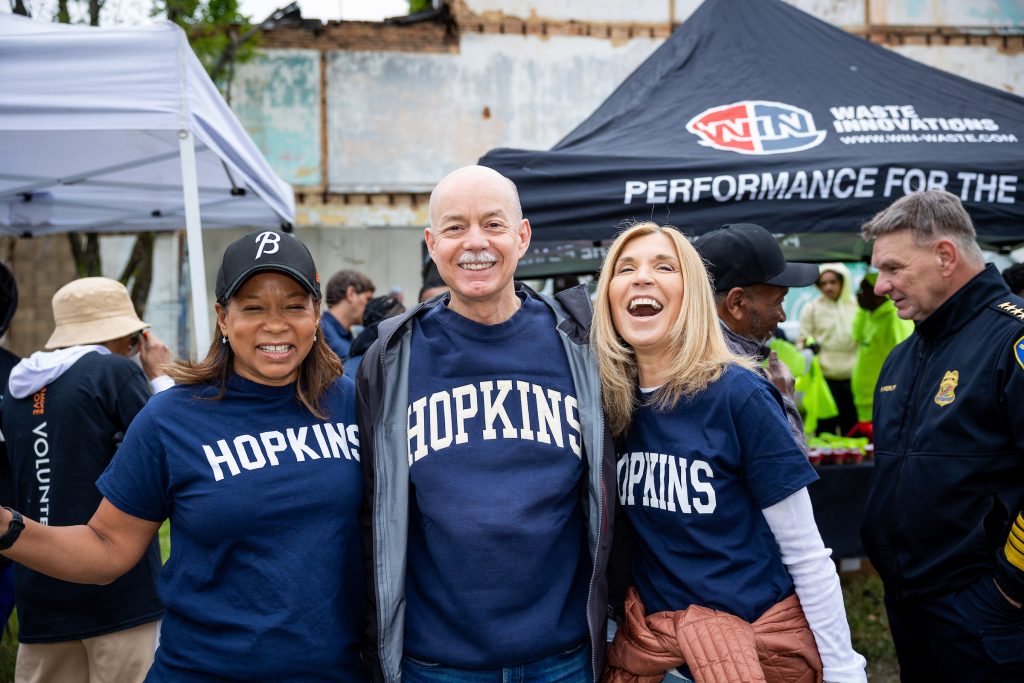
(947, 388)
(1018, 348)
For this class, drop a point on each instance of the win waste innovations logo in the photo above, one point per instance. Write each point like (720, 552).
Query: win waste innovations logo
(756, 127)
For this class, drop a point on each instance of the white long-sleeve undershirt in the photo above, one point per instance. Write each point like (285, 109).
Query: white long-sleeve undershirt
(817, 585)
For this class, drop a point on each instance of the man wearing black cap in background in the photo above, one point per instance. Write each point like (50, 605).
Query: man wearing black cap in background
(378, 309)
(751, 278)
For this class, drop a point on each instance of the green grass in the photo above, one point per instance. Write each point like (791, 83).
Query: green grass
(866, 614)
(9, 649)
(869, 626)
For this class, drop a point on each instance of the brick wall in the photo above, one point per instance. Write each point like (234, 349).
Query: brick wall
(940, 35)
(441, 35)
(423, 37)
(41, 266)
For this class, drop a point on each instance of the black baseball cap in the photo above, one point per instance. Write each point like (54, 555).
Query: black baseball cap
(261, 251)
(744, 254)
(381, 307)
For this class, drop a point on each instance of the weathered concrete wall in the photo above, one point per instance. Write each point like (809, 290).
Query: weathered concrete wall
(390, 256)
(404, 108)
(846, 13)
(168, 309)
(644, 11)
(1000, 69)
(840, 12)
(400, 121)
(277, 98)
(407, 104)
(378, 211)
(988, 13)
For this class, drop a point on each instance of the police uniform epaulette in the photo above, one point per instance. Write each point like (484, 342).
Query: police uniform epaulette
(1012, 306)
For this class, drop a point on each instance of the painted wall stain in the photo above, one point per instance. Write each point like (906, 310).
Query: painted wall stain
(277, 98)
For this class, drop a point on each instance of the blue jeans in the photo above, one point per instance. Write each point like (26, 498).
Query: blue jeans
(673, 676)
(571, 666)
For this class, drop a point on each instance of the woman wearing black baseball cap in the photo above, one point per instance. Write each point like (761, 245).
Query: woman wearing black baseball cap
(253, 457)
(725, 555)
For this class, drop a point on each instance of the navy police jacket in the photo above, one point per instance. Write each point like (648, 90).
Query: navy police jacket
(949, 445)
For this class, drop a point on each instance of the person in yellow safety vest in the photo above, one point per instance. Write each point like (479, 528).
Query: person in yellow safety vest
(790, 355)
(825, 327)
(876, 329)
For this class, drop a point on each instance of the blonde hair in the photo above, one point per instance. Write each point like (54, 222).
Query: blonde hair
(700, 352)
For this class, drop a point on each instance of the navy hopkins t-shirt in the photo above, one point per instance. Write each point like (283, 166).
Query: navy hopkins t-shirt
(265, 577)
(498, 565)
(693, 482)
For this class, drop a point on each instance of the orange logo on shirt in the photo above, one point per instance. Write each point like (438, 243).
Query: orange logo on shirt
(39, 402)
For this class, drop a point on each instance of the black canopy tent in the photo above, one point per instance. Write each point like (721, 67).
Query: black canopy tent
(754, 111)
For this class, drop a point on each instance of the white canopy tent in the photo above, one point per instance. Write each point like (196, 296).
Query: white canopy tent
(120, 129)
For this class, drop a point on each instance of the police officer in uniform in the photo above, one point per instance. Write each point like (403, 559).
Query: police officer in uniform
(943, 523)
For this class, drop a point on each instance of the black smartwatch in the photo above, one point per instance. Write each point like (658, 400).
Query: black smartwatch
(13, 530)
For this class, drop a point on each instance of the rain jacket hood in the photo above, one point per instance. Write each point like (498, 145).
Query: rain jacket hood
(43, 367)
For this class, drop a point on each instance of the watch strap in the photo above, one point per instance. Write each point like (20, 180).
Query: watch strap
(14, 529)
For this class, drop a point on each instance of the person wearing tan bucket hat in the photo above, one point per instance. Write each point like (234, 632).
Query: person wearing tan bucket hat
(92, 310)
(253, 457)
(64, 415)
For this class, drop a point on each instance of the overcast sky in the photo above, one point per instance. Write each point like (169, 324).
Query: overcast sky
(369, 10)
(137, 11)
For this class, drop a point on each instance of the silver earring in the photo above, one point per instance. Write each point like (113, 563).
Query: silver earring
(223, 339)
(314, 336)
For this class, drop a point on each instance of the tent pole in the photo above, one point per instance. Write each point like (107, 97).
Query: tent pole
(193, 231)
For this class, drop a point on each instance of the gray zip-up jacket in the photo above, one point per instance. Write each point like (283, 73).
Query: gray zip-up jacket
(382, 384)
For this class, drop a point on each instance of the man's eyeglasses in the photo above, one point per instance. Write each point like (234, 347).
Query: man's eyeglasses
(135, 339)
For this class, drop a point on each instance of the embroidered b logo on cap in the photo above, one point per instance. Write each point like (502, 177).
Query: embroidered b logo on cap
(275, 252)
(269, 243)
